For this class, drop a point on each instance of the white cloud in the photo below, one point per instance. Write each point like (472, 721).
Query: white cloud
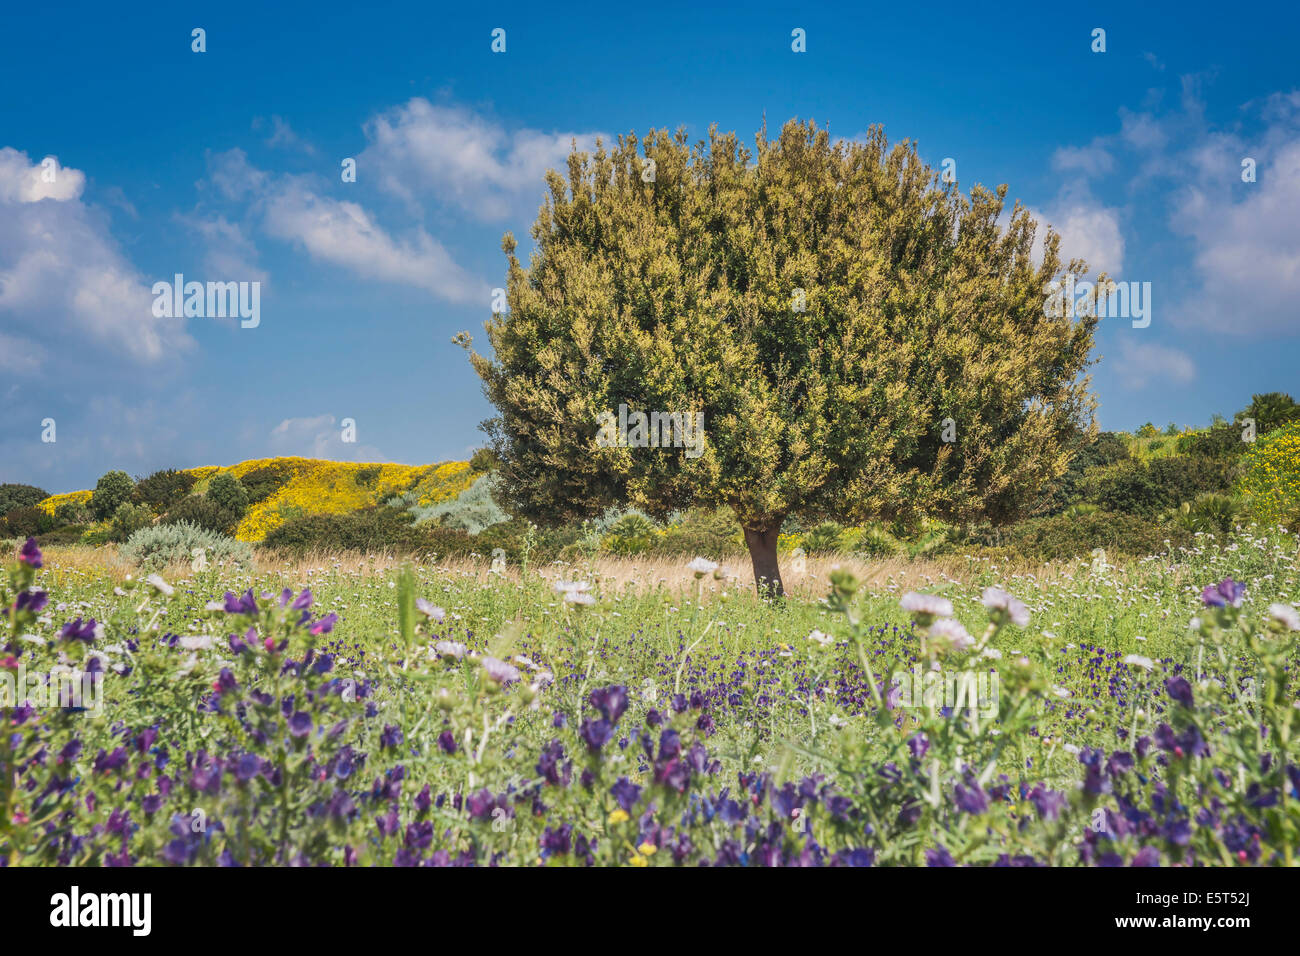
(344, 234)
(1142, 131)
(64, 282)
(1089, 231)
(1246, 236)
(20, 354)
(341, 232)
(231, 255)
(283, 136)
(1141, 365)
(460, 158)
(1091, 160)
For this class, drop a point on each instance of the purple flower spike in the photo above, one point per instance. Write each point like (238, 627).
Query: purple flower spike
(33, 601)
(1226, 592)
(77, 631)
(244, 604)
(31, 554)
(610, 701)
(1180, 690)
(300, 724)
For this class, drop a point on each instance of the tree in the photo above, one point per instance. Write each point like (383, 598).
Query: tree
(226, 492)
(111, 490)
(1270, 410)
(20, 496)
(861, 339)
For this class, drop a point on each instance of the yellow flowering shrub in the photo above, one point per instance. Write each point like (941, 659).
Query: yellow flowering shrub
(320, 487)
(337, 487)
(53, 502)
(1271, 474)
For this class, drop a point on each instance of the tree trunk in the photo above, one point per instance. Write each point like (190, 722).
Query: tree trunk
(762, 552)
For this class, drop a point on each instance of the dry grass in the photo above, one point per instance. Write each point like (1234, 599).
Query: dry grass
(638, 574)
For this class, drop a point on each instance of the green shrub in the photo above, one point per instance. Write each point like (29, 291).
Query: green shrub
(157, 546)
(203, 512)
(70, 512)
(24, 522)
(261, 483)
(127, 520)
(825, 538)
(634, 533)
(1183, 478)
(483, 459)
(876, 541)
(471, 511)
(368, 530)
(111, 490)
(707, 532)
(20, 496)
(228, 493)
(1070, 536)
(163, 489)
(1219, 441)
(67, 534)
(1148, 489)
(1105, 450)
(1211, 513)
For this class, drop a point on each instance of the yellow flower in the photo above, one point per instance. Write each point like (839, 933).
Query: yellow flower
(637, 860)
(647, 849)
(618, 816)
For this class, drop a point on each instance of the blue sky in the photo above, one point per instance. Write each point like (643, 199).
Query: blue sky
(225, 166)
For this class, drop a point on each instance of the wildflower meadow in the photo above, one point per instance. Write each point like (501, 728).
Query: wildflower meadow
(425, 715)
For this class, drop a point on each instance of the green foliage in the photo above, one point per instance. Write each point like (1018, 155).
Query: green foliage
(127, 520)
(20, 496)
(471, 511)
(112, 489)
(706, 532)
(1218, 441)
(512, 537)
(825, 305)
(1104, 450)
(631, 534)
(1068, 536)
(163, 488)
(379, 529)
(1134, 487)
(876, 541)
(261, 483)
(154, 547)
(1271, 410)
(228, 493)
(203, 512)
(24, 521)
(825, 538)
(483, 459)
(1209, 513)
